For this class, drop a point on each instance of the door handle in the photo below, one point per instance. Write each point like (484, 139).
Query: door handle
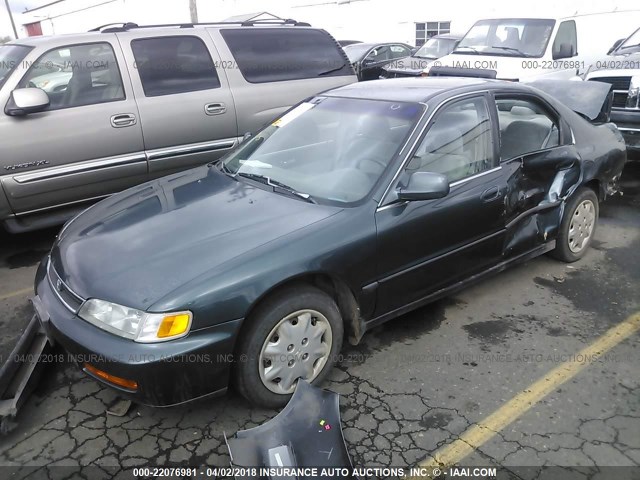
(215, 108)
(123, 120)
(490, 194)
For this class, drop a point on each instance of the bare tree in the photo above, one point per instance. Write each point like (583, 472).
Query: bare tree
(193, 10)
(4, 40)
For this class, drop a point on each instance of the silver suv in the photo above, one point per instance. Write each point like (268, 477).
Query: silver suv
(86, 115)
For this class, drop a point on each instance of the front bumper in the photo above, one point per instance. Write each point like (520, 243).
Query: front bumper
(628, 122)
(166, 373)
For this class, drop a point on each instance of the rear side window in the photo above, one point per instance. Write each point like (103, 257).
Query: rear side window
(170, 65)
(277, 54)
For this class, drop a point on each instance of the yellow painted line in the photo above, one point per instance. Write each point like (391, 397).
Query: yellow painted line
(479, 433)
(24, 291)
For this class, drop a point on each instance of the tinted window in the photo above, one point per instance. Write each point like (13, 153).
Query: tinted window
(77, 75)
(277, 54)
(169, 65)
(458, 143)
(525, 127)
(399, 51)
(566, 39)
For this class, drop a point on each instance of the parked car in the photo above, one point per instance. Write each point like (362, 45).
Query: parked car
(91, 114)
(621, 69)
(368, 59)
(537, 48)
(413, 66)
(356, 206)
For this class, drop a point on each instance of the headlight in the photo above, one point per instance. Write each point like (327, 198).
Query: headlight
(42, 84)
(634, 92)
(134, 324)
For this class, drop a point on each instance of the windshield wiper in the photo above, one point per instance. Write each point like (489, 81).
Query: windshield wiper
(511, 49)
(277, 186)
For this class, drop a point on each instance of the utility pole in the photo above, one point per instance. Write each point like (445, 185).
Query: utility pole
(193, 10)
(13, 25)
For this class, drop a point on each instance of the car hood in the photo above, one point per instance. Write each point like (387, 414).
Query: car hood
(507, 68)
(142, 244)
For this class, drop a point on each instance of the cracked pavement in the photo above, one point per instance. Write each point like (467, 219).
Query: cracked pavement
(412, 386)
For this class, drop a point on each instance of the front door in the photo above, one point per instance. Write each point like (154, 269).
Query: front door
(427, 245)
(87, 144)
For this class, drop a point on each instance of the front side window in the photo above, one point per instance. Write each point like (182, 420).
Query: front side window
(458, 143)
(10, 58)
(515, 37)
(333, 149)
(171, 65)
(277, 54)
(399, 51)
(77, 75)
(525, 127)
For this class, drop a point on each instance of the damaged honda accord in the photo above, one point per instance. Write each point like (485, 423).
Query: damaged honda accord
(356, 206)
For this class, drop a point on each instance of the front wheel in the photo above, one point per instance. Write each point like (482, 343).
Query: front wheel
(297, 333)
(578, 226)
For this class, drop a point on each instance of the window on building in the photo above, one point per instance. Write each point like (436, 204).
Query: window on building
(169, 65)
(426, 30)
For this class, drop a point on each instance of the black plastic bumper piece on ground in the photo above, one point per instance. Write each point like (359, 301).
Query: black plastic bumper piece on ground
(306, 434)
(19, 374)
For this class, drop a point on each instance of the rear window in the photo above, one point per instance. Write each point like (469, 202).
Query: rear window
(170, 65)
(278, 54)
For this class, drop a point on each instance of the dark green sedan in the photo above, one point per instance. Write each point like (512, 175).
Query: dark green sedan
(356, 206)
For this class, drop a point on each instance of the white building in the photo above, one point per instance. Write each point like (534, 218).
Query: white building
(409, 21)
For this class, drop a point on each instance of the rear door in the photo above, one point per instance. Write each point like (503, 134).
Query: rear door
(187, 111)
(88, 143)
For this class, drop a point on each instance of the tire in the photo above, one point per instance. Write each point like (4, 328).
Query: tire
(578, 226)
(293, 322)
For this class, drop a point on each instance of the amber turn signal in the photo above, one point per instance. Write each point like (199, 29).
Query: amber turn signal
(173, 325)
(107, 377)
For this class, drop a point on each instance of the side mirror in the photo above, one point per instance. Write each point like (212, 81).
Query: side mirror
(565, 51)
(555, 159)
(24, 101)
(424, 186)
(615, 45)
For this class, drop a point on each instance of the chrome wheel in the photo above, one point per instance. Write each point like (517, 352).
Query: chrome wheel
(581, 226)
(297, 347)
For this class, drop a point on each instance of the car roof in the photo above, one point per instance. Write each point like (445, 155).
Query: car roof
(417, 90)
(145, 31)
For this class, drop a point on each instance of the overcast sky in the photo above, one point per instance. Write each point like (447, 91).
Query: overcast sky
(16, 6)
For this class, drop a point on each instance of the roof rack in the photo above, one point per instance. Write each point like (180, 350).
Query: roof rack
(126, 26)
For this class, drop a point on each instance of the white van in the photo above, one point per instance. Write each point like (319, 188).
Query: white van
(528, 48)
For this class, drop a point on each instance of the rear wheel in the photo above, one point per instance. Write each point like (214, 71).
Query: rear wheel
(578, 226)
(297, 333)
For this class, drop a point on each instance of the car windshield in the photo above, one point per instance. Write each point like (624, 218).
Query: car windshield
(10, 58)
(514, 37)
(631, 43)
(356, 51)
(436, 48)
(327, 150)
